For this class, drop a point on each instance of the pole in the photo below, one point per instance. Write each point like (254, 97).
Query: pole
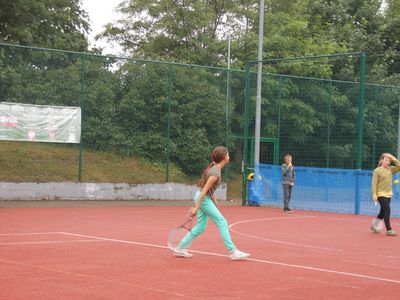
(169, 117)
(228, 100)
(361, 106)
(259, 78)
(398, 134)
(245, 161)
(257, 177)
(228, 76)
(82, 96)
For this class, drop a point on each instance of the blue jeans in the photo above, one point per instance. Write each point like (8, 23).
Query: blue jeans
(287, 194)
(208, 209)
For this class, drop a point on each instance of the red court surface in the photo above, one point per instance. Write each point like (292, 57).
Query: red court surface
(120, 253)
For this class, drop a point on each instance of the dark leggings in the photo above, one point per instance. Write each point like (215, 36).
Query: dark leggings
(384, 213)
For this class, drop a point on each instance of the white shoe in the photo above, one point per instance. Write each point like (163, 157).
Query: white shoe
(182, 252)
(237, 254)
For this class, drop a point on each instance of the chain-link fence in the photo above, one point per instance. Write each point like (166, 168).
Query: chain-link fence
(324, 122)
(174, 114)
(169, 113)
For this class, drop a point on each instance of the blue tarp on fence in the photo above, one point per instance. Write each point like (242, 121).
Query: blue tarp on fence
(333, 190)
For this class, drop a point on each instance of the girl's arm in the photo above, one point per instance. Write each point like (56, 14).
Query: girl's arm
(210, 182)
(374, 184)
(396, 168)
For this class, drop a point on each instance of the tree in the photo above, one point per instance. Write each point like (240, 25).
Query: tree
(60, 24)
(356, 26)
(184, 31)
(392, 41)
(197, 113)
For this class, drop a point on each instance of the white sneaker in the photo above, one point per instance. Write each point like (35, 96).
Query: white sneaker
(237, 254)
(182, 252)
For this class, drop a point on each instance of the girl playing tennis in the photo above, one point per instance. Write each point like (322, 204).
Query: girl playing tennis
(205, 206)
(382, 190)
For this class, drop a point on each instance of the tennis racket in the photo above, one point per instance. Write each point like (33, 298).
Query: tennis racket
(377, 224)
(178, 233)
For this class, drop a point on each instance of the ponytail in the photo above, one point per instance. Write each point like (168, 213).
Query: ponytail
(203, 178)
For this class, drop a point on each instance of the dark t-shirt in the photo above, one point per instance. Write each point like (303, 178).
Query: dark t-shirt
(214, 171)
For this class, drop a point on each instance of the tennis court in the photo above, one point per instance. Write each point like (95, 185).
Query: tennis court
(118, 251)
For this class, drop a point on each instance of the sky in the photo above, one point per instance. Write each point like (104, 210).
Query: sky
(101, 13)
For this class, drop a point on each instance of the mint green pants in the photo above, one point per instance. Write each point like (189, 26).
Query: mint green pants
(208, 209)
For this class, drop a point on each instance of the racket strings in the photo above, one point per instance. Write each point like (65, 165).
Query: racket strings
(178, 233)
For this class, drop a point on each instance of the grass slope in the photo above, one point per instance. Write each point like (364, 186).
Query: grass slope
(42, 162)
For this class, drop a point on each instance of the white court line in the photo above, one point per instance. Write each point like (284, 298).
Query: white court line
(223, 255)
(48, 242)
(41, 242)
(114, 240)
(249, 259)
(393, 220)
(378, 266)
(274, 218)
(326, 271)
(167, 293)
(31, 233)
(278, 241)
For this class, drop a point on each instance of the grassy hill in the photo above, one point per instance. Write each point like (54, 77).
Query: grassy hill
(42, 162)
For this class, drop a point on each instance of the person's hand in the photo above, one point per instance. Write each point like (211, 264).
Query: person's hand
(292, 183)
(289, 165)
(193, 211)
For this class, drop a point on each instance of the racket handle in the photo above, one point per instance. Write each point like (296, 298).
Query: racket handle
(191, 214)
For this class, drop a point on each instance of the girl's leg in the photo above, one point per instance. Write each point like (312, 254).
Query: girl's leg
(198, 229)
(381, 211)
(385, 211)
(201, 225)
(380, 215)
(209, 208)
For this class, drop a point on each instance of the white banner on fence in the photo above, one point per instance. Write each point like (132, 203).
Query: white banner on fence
(40, 123)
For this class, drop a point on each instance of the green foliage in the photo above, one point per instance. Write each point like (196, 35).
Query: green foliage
(193, 149)
(174, 30)
(197, 108)
(126, 102)
(59, 24)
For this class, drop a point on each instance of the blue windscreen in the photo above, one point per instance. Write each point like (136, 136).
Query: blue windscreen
(334, 190)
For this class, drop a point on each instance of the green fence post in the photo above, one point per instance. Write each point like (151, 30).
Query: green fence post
(374, 129)
(246, 134)
(276, 148)
(361, 106)
(329, 124)
(228, 116)
(170, 74)
(82, 96)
